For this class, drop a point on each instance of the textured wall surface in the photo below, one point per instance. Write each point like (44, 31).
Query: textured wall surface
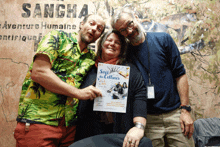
(22, 25)
(24, 22)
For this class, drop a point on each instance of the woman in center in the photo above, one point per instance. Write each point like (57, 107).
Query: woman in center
(111, 50)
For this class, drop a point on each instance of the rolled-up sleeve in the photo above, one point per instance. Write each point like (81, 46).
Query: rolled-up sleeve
(176, 64)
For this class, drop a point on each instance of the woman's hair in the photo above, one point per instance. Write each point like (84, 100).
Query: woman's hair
(123, 42)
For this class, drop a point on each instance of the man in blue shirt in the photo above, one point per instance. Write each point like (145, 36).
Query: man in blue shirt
(156, 55)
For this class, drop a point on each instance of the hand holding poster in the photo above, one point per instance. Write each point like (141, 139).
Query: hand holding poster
(112, 80)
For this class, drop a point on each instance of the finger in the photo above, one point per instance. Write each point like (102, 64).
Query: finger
(186, 130)
(190, 135)
(96, 91)
(132, 143)
(128, 143)
(137, 143)
(182, 126)
(125, 142)
(93, 95)
(191, 131)
(98, 94)
(90, 95)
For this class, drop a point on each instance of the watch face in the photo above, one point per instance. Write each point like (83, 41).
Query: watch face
(188, 108)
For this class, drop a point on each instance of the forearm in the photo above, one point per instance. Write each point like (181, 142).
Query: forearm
(53, 83)
(139, 119)
(42, 74)
(183, 89)
(134, 135)
(186, 120)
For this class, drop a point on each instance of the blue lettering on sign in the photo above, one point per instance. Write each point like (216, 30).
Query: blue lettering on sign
(104, 72)
(106, 75)
(114, 78)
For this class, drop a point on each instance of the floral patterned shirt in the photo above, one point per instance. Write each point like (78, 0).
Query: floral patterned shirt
(38, 105)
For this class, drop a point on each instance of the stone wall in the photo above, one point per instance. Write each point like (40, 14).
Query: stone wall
(22, 24)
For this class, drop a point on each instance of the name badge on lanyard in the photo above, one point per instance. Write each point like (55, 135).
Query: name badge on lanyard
(150, 92)
(150, 87)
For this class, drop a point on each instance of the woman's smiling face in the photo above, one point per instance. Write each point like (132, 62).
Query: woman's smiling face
(111, 47)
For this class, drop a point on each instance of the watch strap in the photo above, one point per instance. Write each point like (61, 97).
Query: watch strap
(186, 107)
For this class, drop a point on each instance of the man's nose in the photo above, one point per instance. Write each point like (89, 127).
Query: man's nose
(94, 28)
(129, 31)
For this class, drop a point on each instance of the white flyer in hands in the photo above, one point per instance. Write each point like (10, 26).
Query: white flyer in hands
(112, 80)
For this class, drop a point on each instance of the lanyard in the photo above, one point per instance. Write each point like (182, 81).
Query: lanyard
(148, 71)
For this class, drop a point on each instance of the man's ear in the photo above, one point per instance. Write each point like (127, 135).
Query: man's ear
(81, 24)
(138, 19)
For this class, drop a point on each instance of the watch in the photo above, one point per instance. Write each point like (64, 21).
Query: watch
(187, 107)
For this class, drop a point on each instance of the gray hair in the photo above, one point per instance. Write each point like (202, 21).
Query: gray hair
(117, 15)
(128, 10)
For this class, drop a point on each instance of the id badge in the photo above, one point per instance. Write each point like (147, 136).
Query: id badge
(150, 92)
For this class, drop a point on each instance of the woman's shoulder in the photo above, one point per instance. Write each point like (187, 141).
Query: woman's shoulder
(132, 66)
(90, 78)
(134, 71)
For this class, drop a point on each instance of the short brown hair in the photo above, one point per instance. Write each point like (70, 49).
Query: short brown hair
(86, 18)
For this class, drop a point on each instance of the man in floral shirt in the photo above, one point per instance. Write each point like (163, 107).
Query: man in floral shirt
(50, 94)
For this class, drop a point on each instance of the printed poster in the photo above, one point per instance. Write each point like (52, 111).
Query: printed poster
(113, 82)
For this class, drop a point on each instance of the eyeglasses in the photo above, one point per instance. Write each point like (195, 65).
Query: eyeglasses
(130, 26)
